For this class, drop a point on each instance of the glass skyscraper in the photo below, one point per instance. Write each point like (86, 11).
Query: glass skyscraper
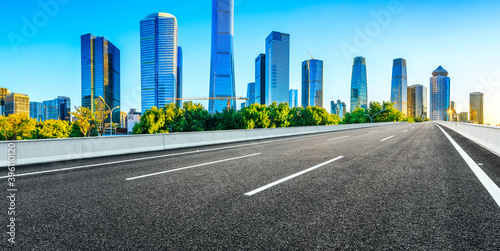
(57, 109)
(477, 108)
(440, 95)
(417, 101)
(158, 60)
(312, 83)
(260, 79)
(100, 73)
(294, 98)
(359, 84)
(338, 108)
(250, 94)
(277, 68)
(179, 76)
(222, 55)
(36, 111)
(399, 86)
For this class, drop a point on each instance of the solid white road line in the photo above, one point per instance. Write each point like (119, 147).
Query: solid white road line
(492, 188)
(339, 138)
(163, 156)
(290, 177)
(405, 131)
(387, 138)
(184, 168)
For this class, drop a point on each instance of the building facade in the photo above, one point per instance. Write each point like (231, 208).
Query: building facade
(158, 60)
(440, 95)
(453, 109)
(179, 76)
(222, 79)
(417, 101)
(36, 111)
(338, 108)
(359, 84)
(312, 83)
(3, 93)
(260, 79)
(399, 85)
(463, 117)
(57, 109)
(476, 110)
(294, 98)
(250, 94)
(133, 118)
(277, 68)
(17, 103)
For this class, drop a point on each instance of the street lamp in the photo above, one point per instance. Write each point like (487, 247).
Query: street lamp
(371, 117)
(111, 118)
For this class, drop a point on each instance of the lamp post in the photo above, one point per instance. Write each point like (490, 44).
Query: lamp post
(111, 116)
(371, 117)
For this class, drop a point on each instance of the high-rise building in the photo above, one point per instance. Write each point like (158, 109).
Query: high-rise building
(100, 73)
(359, 84)
(158, 60)
(312, 83)
(277, 68)
(179, 76)
(399, 86)
(57, 109)
(417, 101)
(453, 109)
(294, 98)
(222, 55)
(463, 117)
(250, 94)
(3, 93)
(476, 110)
(338, 108)
(17, 103)
(440, 95)
(260, 79)
(36, 111)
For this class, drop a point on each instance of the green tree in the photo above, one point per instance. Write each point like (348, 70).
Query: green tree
(100, 115)
(355, 117)
(53, 129)
(279, 115)
(84, 120)
(256, 116)
(17, 127)
(152, 122)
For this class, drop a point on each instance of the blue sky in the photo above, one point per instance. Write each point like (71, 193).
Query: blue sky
(462, 36)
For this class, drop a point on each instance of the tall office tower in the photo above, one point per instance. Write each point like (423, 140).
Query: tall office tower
(179, 76)
(399, 86)
(338, 108)
(453, 109)
(260, 79)
(476, 110)
(277, 68)
(344, 109)
(440, 94)
(250, 94)
(100, 73)
(158, 60)
(57, 109)
(312, 83)
(359, 84)
(222, 55)
(3, 93)
(294, 98)
(417, 101)
(36, 111)
(17, 103)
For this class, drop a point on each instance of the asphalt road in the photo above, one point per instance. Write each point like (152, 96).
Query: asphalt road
(400, 187)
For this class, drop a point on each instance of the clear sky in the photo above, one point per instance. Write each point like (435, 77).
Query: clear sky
(462, 36)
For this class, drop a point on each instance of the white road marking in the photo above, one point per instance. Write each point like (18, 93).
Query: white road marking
(339, 138)
(405, 131)
(258, 190)
(184, 168)
(492, 188)
(387, 138)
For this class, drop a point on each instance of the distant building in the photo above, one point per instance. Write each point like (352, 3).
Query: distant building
(158, 60)
(277, 68)
(36, 111)
(463, 117)
(123, 119)
(3, 93)
(17, 103)
(100, 61)
(260, 79)
(179, 76)
(294, 98)
(454, 114)
(440, 95)
(399, 86)
(417, 101)
(56, 109)
(359, 84)
(133, 118)
(476, 110)
(312, 83)
(243, 105)
(250, 94)
(338, 108)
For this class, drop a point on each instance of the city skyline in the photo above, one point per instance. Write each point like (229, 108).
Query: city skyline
(465, 82)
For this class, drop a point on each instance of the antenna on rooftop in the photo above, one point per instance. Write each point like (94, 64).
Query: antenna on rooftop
(310, 55)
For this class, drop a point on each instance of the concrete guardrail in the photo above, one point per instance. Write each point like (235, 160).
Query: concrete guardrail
(486, 136)
(54, 150)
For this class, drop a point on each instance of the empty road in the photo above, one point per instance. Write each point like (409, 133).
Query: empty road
(398, 187)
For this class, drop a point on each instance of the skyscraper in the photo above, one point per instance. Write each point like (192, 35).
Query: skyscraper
(3, 93)
(222, 55)
(440, 94)
(411, 101)
(57, 109)
(179, 76)
(399, 86)
(476, 108)
(36, 111)
(312, 83)
(100, 73)
(294, 98)
(453, 109)
(359, 84)
(338, 108)
(250, 94)
(17, 103)
(277, 68)
(158, 60)
(260, 79)
(417, 101)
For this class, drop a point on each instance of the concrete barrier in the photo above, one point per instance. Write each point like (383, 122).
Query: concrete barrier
(54, 150)
(486, 136)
